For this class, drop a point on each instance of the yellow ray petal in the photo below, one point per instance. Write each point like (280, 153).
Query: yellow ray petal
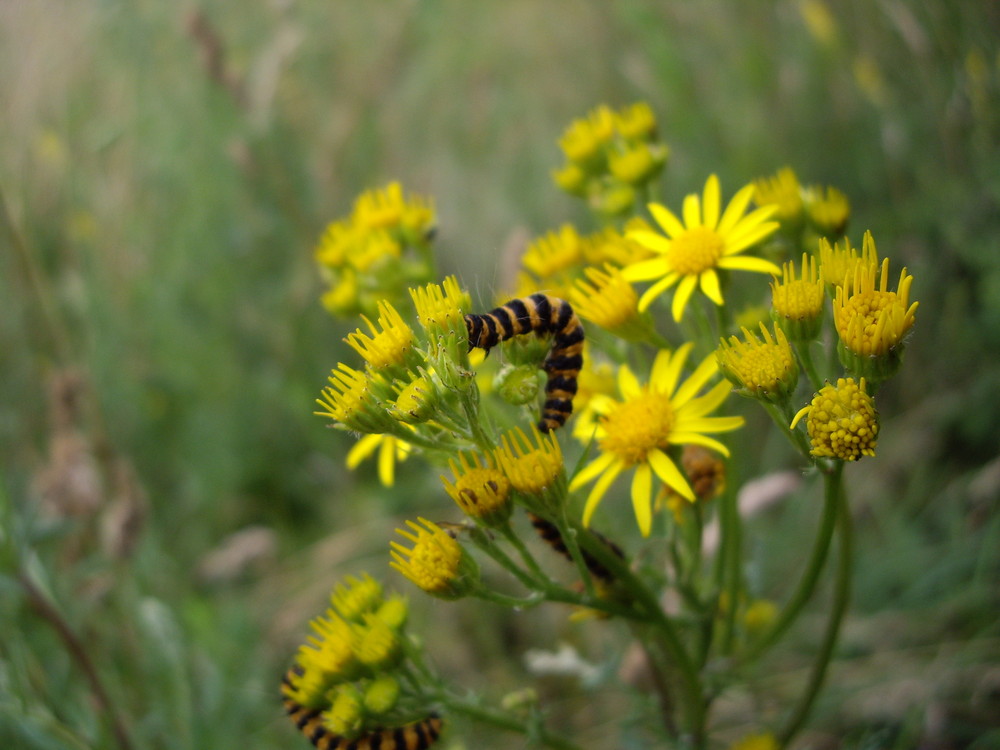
(591, 470)
(666, 219)
(705, 370)
(667, 369)
(668, 472)
(644, 270)
(681, 296)
(642, 488)
(694, 438)
(692, 211)
(709, 282)
(652, 240)
(702, 405)
(387, 462)
(735, 209)
(656, 290)
(601, 487)
(628, 383)
(711, 198)
(749, 263)
(709, 424)
(362, 450)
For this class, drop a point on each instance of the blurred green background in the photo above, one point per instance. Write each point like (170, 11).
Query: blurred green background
(166, 170)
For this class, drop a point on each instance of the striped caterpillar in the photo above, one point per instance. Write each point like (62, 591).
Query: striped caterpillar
(550, 534)
(419, 735)
(540, 314)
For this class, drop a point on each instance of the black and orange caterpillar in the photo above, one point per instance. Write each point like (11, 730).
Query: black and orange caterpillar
(550, 534)
(540, 314)
(419, 735)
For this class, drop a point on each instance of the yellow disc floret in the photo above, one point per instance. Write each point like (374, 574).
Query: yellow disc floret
(841, 421)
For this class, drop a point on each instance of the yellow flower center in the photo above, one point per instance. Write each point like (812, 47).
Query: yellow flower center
(533, 472)
(638, 426)
(842, 421)
(480, 491)
(346, 395)
(377, 644)
(441, 305)
(530, 470)
(696, 250)
(358, 596)
(871, 322)
(388, 346)
(798, 300)
(434, 560)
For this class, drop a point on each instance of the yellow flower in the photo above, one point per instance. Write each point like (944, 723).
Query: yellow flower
(442, 306)
(636, 121)
(836, 263)
(638, 162)
(871, 320)
(554, 252)
(611, 246)
(376, 644)
(374, 247)
(694, 251)
(584, 138)
(389, 209)
(636, 432)
(390, 450)
(381, 695)
(344, 718)
(828, 209)
(841, 421)
(325, 660)
(764, 369)
(437, 563)
(335, 244)
(532, 470)
(783, 190)
(571, 178)
(416, 401)
(356, 596)
(342, 296)
(765, 741)
(350, 400)
(481, 490)
(390, 346)
(610, 301)
(798, 302)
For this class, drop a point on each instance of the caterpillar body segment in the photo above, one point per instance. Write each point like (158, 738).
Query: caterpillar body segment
(540, 314)
(551, 536)
(419, 735)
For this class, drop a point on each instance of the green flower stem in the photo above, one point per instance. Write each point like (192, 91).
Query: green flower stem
(568, 535)
(732, 542)
(841, 597)
(524, 552)
(506, 721)
(546, 589)
(833, 489)
(809, 364)
(782, 416)
(692, 693)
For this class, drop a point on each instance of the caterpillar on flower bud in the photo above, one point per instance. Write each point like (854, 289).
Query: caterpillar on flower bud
(540, 314)
(419, 735)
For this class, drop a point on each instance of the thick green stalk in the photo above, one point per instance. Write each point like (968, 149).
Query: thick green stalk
(821, 546)
(692, 695)
(841, 598)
